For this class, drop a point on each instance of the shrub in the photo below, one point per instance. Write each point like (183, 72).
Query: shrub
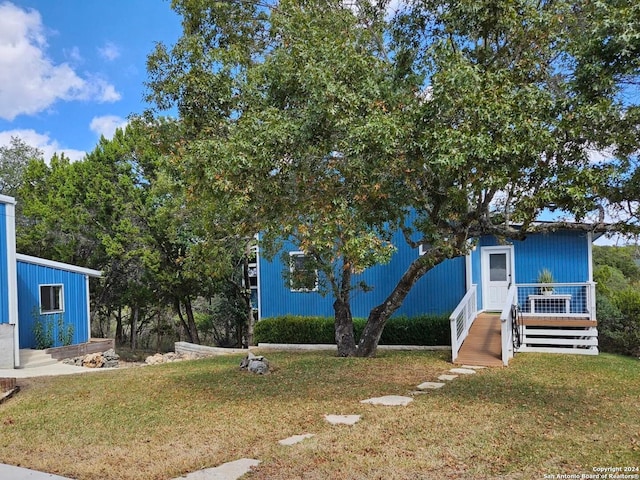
(619, 322)
(422, 330)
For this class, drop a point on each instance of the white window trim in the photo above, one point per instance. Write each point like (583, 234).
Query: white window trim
(50, 312)
(300, 253)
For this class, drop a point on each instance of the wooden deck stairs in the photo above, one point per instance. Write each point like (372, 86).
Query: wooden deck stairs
(483, 345)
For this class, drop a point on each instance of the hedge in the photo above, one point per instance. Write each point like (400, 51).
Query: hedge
(421, 330)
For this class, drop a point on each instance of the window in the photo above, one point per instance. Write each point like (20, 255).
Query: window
(423, 248)
(303, 277)
(51, 299)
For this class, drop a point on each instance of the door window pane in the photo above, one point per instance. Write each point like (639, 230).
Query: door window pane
(498, 267)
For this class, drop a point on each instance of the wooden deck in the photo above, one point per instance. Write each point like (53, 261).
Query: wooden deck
(483, 344)
(528, 321)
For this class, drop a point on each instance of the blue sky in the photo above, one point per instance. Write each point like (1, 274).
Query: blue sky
(72, 70)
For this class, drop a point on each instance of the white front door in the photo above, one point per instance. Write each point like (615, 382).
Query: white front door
(497, 274)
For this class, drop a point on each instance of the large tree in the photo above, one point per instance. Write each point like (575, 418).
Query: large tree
(333, 125)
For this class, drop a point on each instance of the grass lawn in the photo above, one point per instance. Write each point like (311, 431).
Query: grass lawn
(544, 415)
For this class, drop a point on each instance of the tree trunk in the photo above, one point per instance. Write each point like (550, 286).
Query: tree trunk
(345, 339)
(195, 338)
(344, 329)
(119, 332)
(246, 294)
(379, 315)
(134, 328)
(185, 327)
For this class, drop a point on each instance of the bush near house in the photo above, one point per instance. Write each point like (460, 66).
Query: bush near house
(421, 330)
(617, 275)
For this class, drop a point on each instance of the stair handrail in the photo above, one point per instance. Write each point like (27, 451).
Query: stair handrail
(506, 323)
(461, 320)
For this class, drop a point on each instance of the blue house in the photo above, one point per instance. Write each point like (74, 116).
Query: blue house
(493, 295)
(38, 295)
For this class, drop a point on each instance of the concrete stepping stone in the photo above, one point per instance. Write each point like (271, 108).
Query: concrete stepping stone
(430, 385)
(342, 419)
(390, 400)
(226, 471)
(292, 440)
(463, 371)
(447, 378)
(474, 367)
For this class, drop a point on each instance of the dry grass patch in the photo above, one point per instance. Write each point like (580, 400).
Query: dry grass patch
(542, 415)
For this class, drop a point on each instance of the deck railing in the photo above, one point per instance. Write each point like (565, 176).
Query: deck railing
(506, 324)
(557, 299)
(461, 320)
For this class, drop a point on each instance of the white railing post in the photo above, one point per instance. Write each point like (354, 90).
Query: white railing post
(461, 320)
(591, 296)
(506, 320)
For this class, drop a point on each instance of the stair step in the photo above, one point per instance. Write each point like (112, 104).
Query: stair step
(30, 358)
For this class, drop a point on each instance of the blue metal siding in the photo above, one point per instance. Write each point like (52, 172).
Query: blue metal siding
(565, 253)
(30, 277)
(4, 280)
(438, 292)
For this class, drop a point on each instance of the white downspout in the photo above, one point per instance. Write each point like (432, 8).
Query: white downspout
(592, 284)
(12, 275)
(86, 282)
(468, 272)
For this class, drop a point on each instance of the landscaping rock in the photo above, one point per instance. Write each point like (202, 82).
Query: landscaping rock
(255, 364)
(93, 360)
(295, 439)
(227, 471)
(156, 359)
(430, 385)
(463, 371)
(169, 357)
(111, 359)
(389, 400)
(342, 419)
(108, 359)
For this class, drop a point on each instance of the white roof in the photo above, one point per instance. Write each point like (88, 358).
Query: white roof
(57, 265)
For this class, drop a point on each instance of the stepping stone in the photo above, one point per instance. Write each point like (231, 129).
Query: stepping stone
(448, 378)
(390, 400)
(226, 471)
(295, 439)
(430, 385)
(474, 367)
(342, 419)
(463, 371)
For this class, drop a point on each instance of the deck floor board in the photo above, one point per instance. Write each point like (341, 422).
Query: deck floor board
(483, 344)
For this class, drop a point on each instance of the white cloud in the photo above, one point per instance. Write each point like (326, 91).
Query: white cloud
(107, 125)
(600, 156)
(29, 81)
(73, 54)
(41, 141)
(109, 52)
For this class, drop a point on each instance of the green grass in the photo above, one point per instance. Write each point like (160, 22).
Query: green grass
(545, 414)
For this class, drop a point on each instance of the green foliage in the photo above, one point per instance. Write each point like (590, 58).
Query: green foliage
(51, 330)
(13, 163)
(43, 327)
(64, 332)
(618, 299)
(625, 259)
(422, 330)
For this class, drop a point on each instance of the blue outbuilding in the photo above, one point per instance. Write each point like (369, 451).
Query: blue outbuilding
(38, 297)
